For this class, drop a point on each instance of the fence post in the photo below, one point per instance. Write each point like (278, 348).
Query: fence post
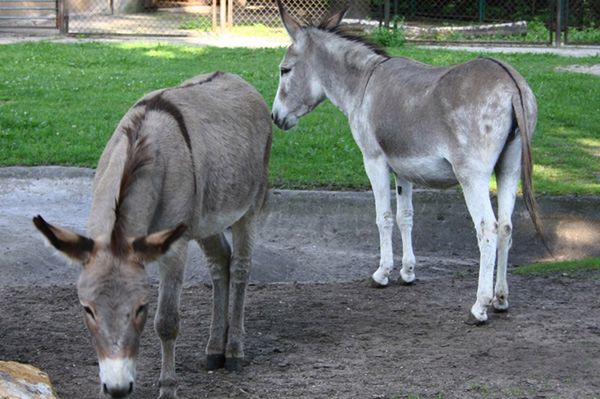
(213, 7)
(481, 10)
(386, 13)
(62, 17)
(229, 15)
(558, 21)
(223, 15)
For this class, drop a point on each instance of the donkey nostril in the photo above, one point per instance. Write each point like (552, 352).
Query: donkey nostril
(130, 387)
(104, 389)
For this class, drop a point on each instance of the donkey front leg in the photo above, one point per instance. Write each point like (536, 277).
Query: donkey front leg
(404, 218)
(243, 242)
(378, 172)
(166, 321)
(477, 197)
(218, 255)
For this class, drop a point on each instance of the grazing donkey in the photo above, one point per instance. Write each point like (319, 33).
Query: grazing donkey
(432, 126)
(197, 155)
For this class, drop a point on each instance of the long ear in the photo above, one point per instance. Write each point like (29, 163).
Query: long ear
(151, 247)
(292, 26)
(334, 20)
(73, 245)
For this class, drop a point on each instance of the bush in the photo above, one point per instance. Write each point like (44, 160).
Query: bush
(390, 37)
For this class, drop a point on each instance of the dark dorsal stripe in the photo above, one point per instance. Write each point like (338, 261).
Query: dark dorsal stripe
(160, 104)
(138, 156)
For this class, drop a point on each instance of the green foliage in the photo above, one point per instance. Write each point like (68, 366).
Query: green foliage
(569, 266)
(390, 37)
(59, 103)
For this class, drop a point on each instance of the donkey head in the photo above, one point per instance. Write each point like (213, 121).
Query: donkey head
(114, 290)
(300, 89)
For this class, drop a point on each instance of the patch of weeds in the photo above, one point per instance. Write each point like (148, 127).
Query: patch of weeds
(390, 37)
(482, 391)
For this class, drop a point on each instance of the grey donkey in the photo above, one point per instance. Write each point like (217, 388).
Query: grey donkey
(428, 125)
(184, 163)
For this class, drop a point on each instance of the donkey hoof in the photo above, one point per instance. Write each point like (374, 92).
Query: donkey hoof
(407, 278)
(168, 395)
(214, 362)
(474, 321)
(374, 284)
(500, 306)
(234, 364)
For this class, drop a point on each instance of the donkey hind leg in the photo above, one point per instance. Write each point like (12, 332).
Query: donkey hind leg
(243, 242)
(477, 197)
(378, 172)
(404, 218)
(218, 255)
(166, 320)
(508, 171)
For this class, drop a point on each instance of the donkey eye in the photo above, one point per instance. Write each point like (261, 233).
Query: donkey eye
(285, 71)
(90, 312)
(140, 310)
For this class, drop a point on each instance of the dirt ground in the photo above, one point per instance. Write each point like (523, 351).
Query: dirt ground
(344, 340)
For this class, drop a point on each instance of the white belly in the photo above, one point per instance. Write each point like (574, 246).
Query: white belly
(430, 171)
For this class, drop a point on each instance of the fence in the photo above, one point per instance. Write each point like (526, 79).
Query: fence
(511, 21)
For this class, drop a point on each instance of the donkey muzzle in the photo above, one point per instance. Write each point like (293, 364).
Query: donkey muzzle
(117, 377)
(284, 123)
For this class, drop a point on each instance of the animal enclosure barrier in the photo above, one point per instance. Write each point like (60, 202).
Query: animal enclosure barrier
(484, 21)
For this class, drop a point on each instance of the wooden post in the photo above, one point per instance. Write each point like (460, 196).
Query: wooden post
(62, 17)
(229, 15)
(214, 15)
(223, 15)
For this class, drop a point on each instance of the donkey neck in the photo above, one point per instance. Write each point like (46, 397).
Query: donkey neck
(346, 68)
(140, 203)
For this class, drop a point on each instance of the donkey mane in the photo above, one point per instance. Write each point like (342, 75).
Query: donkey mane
(348, 32)
(138, 156)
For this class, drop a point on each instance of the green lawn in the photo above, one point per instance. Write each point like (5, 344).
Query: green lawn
(59, 103)
(559, 267)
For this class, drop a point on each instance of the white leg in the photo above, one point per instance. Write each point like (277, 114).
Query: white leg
(476, 192)
(166, 320)
(379, 176)
(218, 255)
(404, 218)
(507, 175)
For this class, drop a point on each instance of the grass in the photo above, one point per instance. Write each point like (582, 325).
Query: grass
(568, 266)
(59, 103)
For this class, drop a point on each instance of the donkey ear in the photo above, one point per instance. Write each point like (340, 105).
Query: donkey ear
(334, 20)
(72, 245)
(151, 247)
(292, 26)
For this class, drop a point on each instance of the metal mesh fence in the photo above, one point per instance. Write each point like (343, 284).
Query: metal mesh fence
(141, 17)
(265, 13)
(581, 21)
(512, 21)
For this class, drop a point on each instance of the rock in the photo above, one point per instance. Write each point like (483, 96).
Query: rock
(22, 381)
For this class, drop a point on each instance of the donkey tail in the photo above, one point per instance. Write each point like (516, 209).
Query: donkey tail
(523, 124)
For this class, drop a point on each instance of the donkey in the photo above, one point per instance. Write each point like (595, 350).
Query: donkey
(184, 163)
(436, 127)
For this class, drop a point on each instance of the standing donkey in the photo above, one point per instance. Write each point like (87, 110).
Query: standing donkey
(197, 155)
(432, 126)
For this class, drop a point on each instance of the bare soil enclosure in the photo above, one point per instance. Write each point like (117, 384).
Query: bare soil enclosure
(329, 335)
(344, 340)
